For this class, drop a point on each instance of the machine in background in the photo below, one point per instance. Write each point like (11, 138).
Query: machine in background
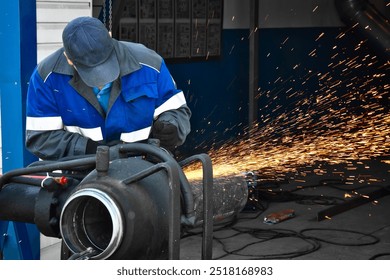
(133, 207)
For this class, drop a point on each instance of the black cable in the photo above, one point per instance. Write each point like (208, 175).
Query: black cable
(263, 195)
(378, 256)
(188, 231)
(373, 239)
(264, 236)
(71, 164)
(26, 181)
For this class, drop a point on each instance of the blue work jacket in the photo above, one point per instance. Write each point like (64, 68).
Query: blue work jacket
(63, 112)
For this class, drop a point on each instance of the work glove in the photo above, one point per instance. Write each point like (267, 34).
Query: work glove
(167, 133)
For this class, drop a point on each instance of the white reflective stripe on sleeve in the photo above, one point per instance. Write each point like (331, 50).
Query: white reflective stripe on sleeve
(44, 123)
(94, 134)
(135, 136)
(172, 103)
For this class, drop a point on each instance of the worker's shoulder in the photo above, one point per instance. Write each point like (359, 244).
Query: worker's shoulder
(55, 62)
(143, 55)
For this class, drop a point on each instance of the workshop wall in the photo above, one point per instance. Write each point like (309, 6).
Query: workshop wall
(296, 40)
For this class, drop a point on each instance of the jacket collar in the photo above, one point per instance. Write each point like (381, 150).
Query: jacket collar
(127, 64)
(127, 61)
(62, 66)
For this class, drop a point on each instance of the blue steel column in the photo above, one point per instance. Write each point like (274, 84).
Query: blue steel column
(17, 60)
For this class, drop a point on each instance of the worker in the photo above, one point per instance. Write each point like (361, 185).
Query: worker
(100, 91)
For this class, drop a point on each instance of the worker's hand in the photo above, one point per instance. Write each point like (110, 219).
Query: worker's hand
(167, 133)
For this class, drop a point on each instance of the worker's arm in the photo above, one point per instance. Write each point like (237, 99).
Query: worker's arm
(56, 144)
(45, 134)
(172, 115)
(180, 118)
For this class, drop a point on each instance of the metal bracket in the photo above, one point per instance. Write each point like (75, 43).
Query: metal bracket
(352, 203)
(207, 238)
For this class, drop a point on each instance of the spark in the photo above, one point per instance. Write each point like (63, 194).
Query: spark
(313, 52)
(318, 127)
(320, 36)
(231, 50)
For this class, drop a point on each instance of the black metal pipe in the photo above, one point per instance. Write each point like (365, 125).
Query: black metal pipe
(352, 203)
(17, 203)
(174, 202)
(174, 211)
(141, 148)
(207, 169)
(124, 209)
(132, 213)
(20, 202)
(367, 21)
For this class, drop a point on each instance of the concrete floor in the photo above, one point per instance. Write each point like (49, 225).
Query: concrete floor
(361, 232)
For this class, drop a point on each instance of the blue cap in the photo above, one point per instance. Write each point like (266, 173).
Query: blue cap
(90, 47)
